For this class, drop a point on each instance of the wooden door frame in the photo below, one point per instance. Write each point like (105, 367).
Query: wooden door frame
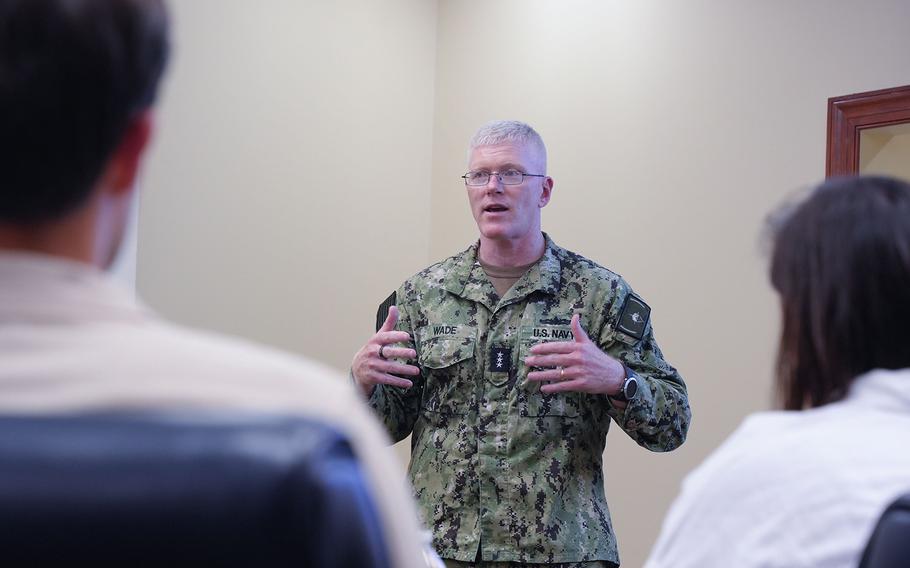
(850, 114)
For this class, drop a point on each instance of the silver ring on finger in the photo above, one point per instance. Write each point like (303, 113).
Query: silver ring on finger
(381, 354)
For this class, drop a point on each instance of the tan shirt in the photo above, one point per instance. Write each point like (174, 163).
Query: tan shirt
(72, 340)
(504, 277)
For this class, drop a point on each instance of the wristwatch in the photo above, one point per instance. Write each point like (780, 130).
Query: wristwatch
(629, 386)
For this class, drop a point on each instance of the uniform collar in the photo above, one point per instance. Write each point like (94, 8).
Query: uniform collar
(465, 277)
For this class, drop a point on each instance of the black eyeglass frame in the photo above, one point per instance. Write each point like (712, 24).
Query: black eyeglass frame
(499, 175)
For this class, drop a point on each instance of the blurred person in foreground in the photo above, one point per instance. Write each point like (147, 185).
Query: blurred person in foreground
(78, 80)
(804, 486)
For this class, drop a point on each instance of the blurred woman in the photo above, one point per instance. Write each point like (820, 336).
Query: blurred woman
(804, 486)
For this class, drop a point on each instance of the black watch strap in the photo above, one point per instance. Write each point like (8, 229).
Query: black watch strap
(630, 378)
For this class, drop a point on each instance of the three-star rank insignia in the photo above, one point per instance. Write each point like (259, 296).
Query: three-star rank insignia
(634, 316)
(500, 359)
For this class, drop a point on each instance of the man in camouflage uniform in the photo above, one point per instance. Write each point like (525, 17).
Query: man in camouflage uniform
(520, 354)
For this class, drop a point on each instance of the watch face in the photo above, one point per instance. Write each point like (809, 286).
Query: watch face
(630, 388)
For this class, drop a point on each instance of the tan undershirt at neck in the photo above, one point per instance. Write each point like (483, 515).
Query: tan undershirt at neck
(504, 277)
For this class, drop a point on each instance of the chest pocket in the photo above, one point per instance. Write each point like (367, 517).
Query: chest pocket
(532, 402)
(448, 365)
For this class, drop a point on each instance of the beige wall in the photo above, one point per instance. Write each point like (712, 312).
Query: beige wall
(288, 189)
(673, 128)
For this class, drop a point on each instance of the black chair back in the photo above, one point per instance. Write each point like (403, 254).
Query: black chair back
(204, 491)
(889, 546)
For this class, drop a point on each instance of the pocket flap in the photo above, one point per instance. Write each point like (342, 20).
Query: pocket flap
(442, 352)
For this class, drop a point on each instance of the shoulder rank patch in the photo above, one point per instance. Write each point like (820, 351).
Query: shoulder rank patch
(634, 316)
(383, 311)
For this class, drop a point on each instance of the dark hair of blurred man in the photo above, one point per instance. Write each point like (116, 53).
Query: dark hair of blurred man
(77, 81)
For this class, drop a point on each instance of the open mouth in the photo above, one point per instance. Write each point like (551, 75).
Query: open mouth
(495, 208)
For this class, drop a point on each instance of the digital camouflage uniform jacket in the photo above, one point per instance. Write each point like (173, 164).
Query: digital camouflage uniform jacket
(495, 463)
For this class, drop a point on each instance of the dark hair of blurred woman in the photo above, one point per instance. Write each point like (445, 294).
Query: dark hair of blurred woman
(841, 264)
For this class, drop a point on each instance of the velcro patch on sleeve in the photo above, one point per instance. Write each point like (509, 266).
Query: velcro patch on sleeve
(383, 311)
(634, 316)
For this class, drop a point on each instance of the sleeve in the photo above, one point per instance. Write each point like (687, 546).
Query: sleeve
(658, 417)
(396, 407)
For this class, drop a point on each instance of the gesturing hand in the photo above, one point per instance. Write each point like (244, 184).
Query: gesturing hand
(578, 365)
(374, 363)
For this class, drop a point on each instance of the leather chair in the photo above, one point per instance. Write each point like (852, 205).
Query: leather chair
(214, 490)
(889, 546)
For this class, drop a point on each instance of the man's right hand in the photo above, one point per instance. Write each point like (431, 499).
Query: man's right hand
(376, 361)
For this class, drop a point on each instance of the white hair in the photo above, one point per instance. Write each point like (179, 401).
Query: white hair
(509, 131)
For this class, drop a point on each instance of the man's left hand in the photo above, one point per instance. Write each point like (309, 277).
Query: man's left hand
(578, 365)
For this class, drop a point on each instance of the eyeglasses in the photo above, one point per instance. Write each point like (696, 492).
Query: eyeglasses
(508, 177)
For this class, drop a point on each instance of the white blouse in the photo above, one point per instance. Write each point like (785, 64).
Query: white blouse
(796, 488)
